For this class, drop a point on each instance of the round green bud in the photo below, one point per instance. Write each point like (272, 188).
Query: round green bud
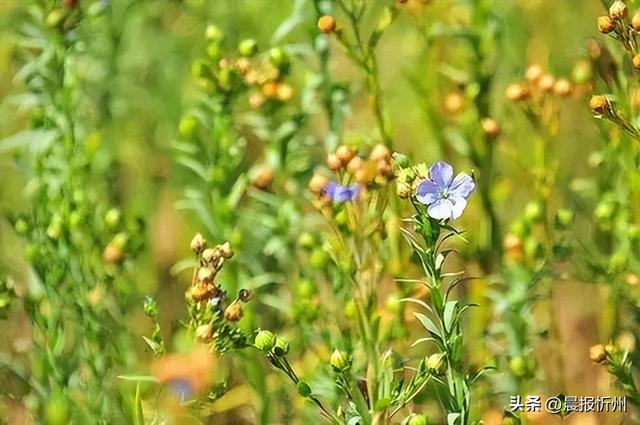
(21, 226)
(306, 240)
(56, 411)
(350, 309)
(518, 366)
(417, 420)
(278, 57)
(74, 219)
(563, 218)
(200, 69)
(112, 218)
(248, 47)
(214, 51)
(341, 218)
(436, 363)
(393, 303)
(213, 33)
(340, 361)
(318, 259)
(281, 347)
(150, 306)
(188, 126)
(120, 240)
(604, 210)
(532, 248)
(533, 212)
(264, 340)
(305, 288)
(303, 389)
(391, 360)
(56, 17)
(508, 420)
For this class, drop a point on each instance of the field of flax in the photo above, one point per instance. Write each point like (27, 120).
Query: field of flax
(358, 212)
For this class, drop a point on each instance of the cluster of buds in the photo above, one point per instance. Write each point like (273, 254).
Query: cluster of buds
(616, 23)
(376, 168)
(267, 342)
(537, 84)
(204, 288)
(603, 107)
(407, 178)
(267, 80)
(599, 353)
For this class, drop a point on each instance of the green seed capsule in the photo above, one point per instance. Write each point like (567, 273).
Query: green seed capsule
(303, 389)
(248, 47)
(417, 420)
(264, 340)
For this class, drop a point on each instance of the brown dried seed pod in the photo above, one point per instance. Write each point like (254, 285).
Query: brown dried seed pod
(546, 83)
(327, 24)
(263, 177)
(198, 243)
(205, 333)
(225, 250)
(317, 183)
(355, 164)
(380, 152)
(345, 154)
(205, 275)
(233, 312)
(490, 127)
(516, 92)
(383, 168)
(563, 87)
(618, 10)
(605, 24)
(635, 22)
(597, 353)
(403, 190)
(533, 73)
(333, 162)
(202, 292)
(599, 104)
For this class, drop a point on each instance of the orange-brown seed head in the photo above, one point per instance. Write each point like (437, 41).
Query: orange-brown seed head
(605, 24)
(327, 24)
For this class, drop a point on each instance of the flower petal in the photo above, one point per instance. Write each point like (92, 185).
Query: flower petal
(341, 194)
(441, 209)
(329, 189)
(441, 173)
(462, 185)
(458, 205)
(427, 192)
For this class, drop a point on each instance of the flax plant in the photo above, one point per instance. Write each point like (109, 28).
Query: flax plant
(79, 245)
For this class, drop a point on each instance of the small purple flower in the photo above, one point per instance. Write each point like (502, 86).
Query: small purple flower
(339, 193)
(445, 196)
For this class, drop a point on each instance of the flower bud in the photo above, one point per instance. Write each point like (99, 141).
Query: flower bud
(345, 154)
(533, 212)
(490, 127)
(518, 366)
(57, 411)
(436, 363)
(599, 104)
(198, 243)
(605, 24)
(636, 61)
(618, 10)
(248, 47)
(264, 340)
(21, 226)
(262, 177)
(213, 33)
(279, 58)
(516, 92)
(112, 217)
(270, 89)
(204, 333)
(150, 306)
(562, 87)
(417, 420)
(281, 347)
(317, 183)
(233, 312)
(597, 353)
(188, 126)
(333, 162)
(635, 22)
(327, 24)
(340, 361)
(563, 218)
(303, 389)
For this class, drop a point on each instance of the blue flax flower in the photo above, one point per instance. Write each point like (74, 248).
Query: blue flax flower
(445, 196)
(339, 193)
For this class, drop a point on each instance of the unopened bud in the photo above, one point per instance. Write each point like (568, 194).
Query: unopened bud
(112, 253)
(340, 361)
(417, 420)
(355, 164)
(285, 92)
(205, 275)
(264, 340)
(281, 347)
(436, 363)
(453, 103)
(248, 47)
(380, 153)
(204, 333)
(225, 250)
